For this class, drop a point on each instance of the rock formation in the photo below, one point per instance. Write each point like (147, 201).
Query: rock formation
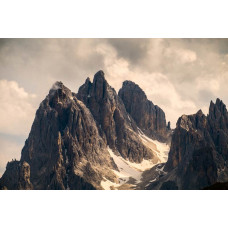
(198, 152)
(64, 149)
(149, 117)
(16, 176)
(96, 139)
(115, 125)
(69, 143)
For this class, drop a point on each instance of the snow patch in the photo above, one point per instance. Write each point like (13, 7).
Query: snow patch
(126, 170)
(144, 165)
(161, 149)
(129, 169)
(107, 184)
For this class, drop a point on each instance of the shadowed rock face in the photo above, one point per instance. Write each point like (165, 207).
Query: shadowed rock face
(199, 148)
(149, 117)
(64, 149)
(16, 176)
(116, 127)
(67, 147)
(188, 136)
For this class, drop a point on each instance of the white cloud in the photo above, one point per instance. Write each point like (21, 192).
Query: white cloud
(181, 55)
(157, 86)
(210, 84)
(179, 75)
(16, 109)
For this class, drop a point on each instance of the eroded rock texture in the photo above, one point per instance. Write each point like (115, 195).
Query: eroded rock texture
(116, 127)
(67, 147)
(149, 117)
(64, 149)
(16, 176)
(198, 153)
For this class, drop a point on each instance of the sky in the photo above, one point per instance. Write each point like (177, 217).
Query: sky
(179, 75)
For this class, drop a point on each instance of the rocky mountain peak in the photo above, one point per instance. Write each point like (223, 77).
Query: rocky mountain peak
(132, 87)
(99, 76)
(184, 122)
(149, 117)
(217, 109)
(59, 96)
(64, 149)
(100, 85)
(190, 122)
(60, 90)
(85, 141)
(199, 149)
(221, 105)
(88, 80)
(59, 86)
(115, 125)
(200, 113)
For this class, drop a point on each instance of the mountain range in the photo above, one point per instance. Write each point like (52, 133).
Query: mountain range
(100, 139)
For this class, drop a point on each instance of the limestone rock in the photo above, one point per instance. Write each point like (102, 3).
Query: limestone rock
(199, 149)
(16, 176)
(115, 125)
(64, 149)
(149, 117)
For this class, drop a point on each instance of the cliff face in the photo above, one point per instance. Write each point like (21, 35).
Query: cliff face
(82, 141)
(17, 176)
(199, 148)
(115, 125)
(64, 149)
(189, 135)
(96, 139)
(149, 117)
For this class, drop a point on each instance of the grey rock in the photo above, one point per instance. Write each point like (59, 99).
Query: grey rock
(149, 117)
(16, 176)
(115, 125)
(64, 149)
(199, 148)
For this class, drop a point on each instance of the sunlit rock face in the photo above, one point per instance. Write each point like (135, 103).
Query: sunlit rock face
(149, 117)
(64, 149)
(16, 176)
(116, 126)
(71, 138)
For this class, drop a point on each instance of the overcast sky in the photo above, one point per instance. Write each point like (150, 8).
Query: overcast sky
(179, 75)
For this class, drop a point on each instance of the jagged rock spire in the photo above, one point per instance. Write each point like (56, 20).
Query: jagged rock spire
(115, 124)
(149, 117)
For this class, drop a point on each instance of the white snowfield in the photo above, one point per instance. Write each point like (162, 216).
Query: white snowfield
(161, 149)
(129, 169)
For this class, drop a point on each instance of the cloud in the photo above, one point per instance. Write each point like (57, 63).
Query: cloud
(157, 86)
(16, 109)
(180, 55)
(191, 70)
